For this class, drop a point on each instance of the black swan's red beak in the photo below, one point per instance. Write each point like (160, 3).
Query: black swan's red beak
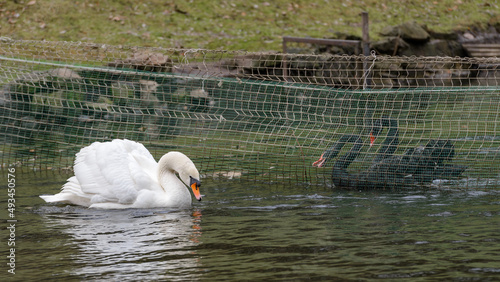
(320, 162)
(372, 139)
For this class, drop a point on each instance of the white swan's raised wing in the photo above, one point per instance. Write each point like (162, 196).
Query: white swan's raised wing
(115, 171)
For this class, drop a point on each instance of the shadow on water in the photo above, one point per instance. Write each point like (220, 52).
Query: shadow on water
(254, 231)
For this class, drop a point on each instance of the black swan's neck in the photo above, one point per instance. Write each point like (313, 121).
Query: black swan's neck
(345, 160)
(391, 142)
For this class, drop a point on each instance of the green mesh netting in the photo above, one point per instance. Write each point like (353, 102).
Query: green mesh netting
(261, 116)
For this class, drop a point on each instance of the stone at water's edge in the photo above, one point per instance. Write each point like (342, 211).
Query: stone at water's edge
(409, 31)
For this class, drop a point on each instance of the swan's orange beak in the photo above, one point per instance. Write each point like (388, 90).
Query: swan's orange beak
(320, 162)
(372, 139)
(195, 186)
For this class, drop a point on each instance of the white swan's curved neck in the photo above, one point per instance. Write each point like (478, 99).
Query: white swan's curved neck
(175, 190)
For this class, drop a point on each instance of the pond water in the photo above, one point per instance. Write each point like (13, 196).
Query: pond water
(260, 232)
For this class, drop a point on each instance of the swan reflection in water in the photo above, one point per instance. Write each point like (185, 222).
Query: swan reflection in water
(120, 244)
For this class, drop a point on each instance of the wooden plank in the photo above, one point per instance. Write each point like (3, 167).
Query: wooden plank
(482, 50)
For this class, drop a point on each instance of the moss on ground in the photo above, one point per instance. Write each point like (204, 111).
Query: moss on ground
(228, 25)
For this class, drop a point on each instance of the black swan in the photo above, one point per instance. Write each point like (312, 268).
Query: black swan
(387, 149)
(416, 166)
(424, 162)
(389, 173)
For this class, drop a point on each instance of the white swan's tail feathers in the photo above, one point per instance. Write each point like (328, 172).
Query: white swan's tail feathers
(70, 193)
(72, 186)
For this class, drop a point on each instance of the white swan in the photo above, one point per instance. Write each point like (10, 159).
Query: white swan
(123, 174)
